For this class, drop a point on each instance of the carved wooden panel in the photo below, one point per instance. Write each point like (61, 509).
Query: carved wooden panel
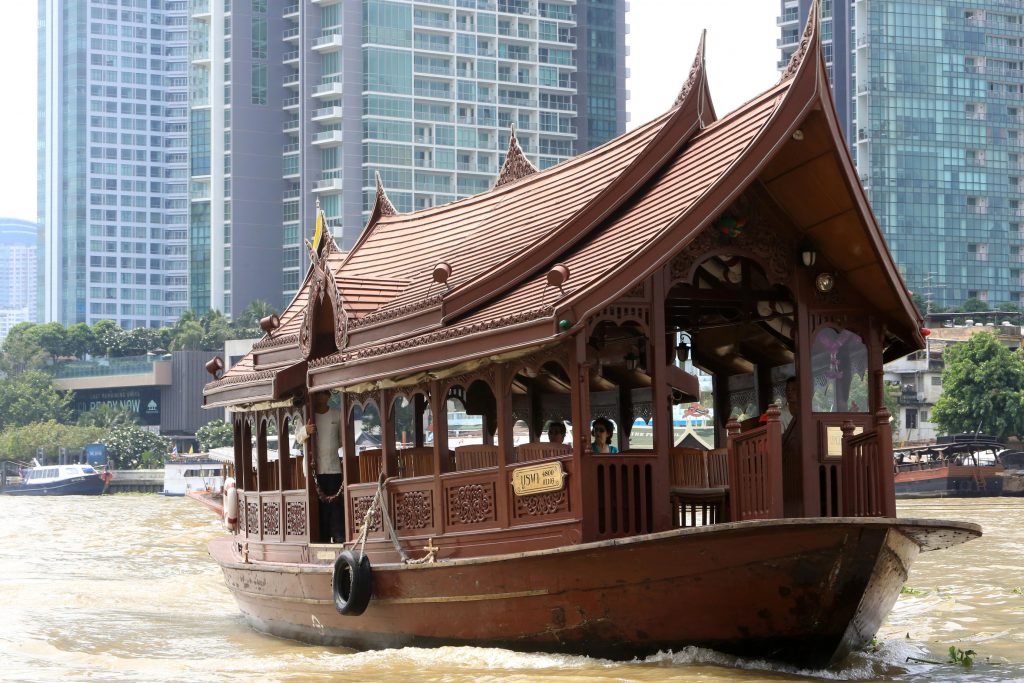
(360, 505)
(541, 504)
(471, 504)
(272, 518)
(252, 518)
(413, 509)
(296, 519)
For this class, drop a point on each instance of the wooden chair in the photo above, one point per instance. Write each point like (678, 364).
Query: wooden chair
(698, 495)
(371, 463)
(416, 462)
(475, 457)
(541, 450)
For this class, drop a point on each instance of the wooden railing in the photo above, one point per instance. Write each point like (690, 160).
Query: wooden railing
(623, 486)
(273, 515)
(867, 482)
(755, 470)
(699, 482)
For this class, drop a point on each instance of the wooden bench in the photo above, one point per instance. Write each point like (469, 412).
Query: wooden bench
(475, 457)
(541, 451)
(371, 463)
(699, 482)
(416, 462)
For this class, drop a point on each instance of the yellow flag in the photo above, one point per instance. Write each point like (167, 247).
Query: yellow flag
(190, 450)
(318, 233)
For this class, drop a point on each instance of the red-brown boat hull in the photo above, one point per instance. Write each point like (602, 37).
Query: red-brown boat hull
(803, 591)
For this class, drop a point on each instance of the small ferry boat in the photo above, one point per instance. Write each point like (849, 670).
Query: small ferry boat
(59, 480)
(192, 473)
(962, 465)
(586, 296)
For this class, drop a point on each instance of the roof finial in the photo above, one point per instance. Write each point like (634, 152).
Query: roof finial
(516, 164)
(809, 35)
(696, 69)
(382, 201)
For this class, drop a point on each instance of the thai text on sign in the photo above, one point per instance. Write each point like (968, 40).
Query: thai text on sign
(541, 478)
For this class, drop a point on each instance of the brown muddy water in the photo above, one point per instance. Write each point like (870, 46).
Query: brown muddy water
(120, 588)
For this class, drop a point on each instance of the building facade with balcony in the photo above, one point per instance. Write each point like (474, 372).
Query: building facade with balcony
(113, 141)
(931, 93)
(301, 102)
(18, 275)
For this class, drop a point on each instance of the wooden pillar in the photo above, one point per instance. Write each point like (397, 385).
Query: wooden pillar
(438, 405)
(284, 456)
(503, 400)
(764, 388)
(309, 453)
(887, 483)
(661, 403)
(349, 461)
(387, 434)
(262, 474)
(809, 502)
(419, 405)
(584, 485)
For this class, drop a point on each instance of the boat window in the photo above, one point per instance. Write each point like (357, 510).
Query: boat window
(620, 380)
(293, 474)
(366, 426)
(521, 433)
(88, 470)
(539, 396)
(839, 361)
(641, 435)
(411, 421)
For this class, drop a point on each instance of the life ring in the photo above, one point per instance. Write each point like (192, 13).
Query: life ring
(352, 583)
(230, 504)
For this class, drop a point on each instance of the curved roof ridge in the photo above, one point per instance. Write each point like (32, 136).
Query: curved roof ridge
(809, 38)
(680, 125)
(516, 165)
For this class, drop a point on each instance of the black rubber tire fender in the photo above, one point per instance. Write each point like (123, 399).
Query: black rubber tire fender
(352, 583)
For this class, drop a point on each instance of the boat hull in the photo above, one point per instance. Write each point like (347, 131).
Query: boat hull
(949, 482)
(800, 591)
(85, 485)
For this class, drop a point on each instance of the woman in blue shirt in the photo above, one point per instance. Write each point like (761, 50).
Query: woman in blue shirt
(602, 429)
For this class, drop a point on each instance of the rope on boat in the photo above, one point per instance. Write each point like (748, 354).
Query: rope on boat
(380, 501)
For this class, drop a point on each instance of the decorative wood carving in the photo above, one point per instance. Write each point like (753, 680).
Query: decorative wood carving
(516, 164)
(621, 314)
(757, 242)
(360, 504)
(252, 518)
(471, 504)
(805, 43)
(271, 342)
(296, 518)
(271, 518)
(413, 510)
(541, 504)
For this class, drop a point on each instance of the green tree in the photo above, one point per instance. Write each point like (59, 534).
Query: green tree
(982, 386)
(21, 443)
(30, 397)
(80, 340)
(247, 323)
(108, 337)
(214, 435)
(216, 329)
(973, 305)
(21, 351)
(108, 417)
(187, 337)
(132, 447)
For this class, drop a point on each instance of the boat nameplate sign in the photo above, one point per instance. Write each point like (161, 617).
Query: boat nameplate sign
(834, 440)
(542, 478)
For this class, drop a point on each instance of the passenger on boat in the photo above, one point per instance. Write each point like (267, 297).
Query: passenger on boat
(602, 430)
(327, 431)
(556, 431)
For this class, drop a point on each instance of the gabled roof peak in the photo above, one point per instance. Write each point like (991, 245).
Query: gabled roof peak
(807, 40)
(696, 71)
(386, 208)
(516, 164)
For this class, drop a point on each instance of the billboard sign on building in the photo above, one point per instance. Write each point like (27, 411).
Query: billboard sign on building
(143, 402)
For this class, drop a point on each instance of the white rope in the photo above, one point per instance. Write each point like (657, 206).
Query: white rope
(380, 500)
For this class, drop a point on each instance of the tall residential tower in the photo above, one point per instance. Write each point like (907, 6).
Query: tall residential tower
(113, 181)
(18, 245)
(934, 109)
(297, 102)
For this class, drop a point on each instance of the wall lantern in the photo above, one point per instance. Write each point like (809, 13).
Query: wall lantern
(808, 255)
(683, 348)
(631, 360)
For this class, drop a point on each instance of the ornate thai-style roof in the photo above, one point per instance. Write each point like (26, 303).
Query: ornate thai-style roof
(516, 164)
(426, 289)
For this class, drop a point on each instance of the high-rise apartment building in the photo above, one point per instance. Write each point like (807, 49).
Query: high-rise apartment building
(304, 101)
(18, 244)
(113, 188)
(934, 108)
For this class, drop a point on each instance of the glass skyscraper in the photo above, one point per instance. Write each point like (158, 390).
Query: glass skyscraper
(294, 102)
(935, 114)
(18, 244)
(113, 186)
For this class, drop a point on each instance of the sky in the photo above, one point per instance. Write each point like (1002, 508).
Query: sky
(741, 58)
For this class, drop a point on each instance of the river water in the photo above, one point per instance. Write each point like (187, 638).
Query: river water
(120, 588)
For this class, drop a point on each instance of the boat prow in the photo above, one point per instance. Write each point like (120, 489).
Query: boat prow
(805, 591)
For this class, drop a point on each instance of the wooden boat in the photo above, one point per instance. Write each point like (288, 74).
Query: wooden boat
(590, 294)
(956, 466)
